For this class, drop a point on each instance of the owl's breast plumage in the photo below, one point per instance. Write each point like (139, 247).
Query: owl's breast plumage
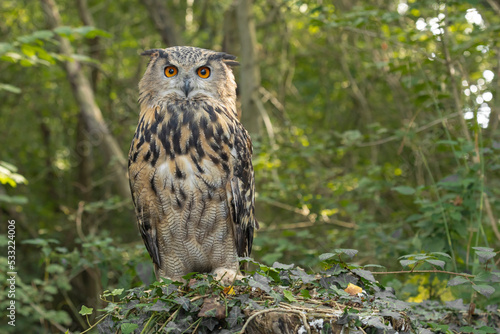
(181, 177)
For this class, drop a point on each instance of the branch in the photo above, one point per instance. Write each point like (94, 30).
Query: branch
(279, 310)
(494, 5)
(420, 129)
(421, 272)
(84, 96)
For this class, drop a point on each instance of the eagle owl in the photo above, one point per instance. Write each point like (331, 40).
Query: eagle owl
(190, 167)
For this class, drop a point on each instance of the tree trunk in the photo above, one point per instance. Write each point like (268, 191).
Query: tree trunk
(94, 48)
(163, 22)
(84, 96)
(250, 71)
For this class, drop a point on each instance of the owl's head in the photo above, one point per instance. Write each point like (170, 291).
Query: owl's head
(187, 73)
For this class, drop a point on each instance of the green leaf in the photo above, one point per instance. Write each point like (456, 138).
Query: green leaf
(437, 263)
(10, 88)
(484, 289)
(305, 293)
(367, 275)
(484, 256)
(404, 190)
(326, 256)
(406, 263)
(116, 292)
(374, 266)
(483, 249)
(441, 254)
(128, 327)
(487, 329)
(349, 252)
(17, 200)
(86, 310)
(485, 276)
(457, 281)
(261, 283)
(64, 31)
(289, 296)
(184, 302)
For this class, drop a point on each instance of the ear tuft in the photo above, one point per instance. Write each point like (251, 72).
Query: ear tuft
(228, 59)
(154, 53)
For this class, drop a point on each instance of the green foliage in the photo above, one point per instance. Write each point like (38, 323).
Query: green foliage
(202, 305)
(370, 152)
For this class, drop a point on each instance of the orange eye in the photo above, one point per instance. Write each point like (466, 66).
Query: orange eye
(203, 72)
(170, 71)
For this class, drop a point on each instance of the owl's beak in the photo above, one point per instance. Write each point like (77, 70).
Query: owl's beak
(187, 87)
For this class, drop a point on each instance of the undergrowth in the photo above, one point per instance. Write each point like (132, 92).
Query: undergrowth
(342, 294)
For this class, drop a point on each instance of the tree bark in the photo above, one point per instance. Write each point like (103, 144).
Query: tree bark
(84, 96)
(163, 22)
(94, 48)
(250, 71)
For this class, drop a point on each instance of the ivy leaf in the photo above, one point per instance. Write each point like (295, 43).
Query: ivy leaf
(86, 310)
(289, 296)
(128, 327)
(344, 279)
(278, 265)
(484, 289)
(210, 323)
(305, 293)
(437, 263)
(184, 302)
(116, 292)
(457, 281)
(234, 316)
(457, 305)
(302, 275)
(259, 281)
(160, 306)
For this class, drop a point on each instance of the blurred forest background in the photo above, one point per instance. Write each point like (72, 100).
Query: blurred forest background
(374, 123)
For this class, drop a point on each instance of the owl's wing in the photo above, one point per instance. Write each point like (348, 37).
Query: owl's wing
(242, 195)
(141, 172)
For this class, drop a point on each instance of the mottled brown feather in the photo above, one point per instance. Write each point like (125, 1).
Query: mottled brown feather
(190, 167)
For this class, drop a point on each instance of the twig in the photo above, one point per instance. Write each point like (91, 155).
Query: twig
(308, 224)
(168, 320)
(78, 219)
(44, 316)
(421, 272)
(279, 310)
(491, 217)
(104, 317)
(303, 212)
(420, 129)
